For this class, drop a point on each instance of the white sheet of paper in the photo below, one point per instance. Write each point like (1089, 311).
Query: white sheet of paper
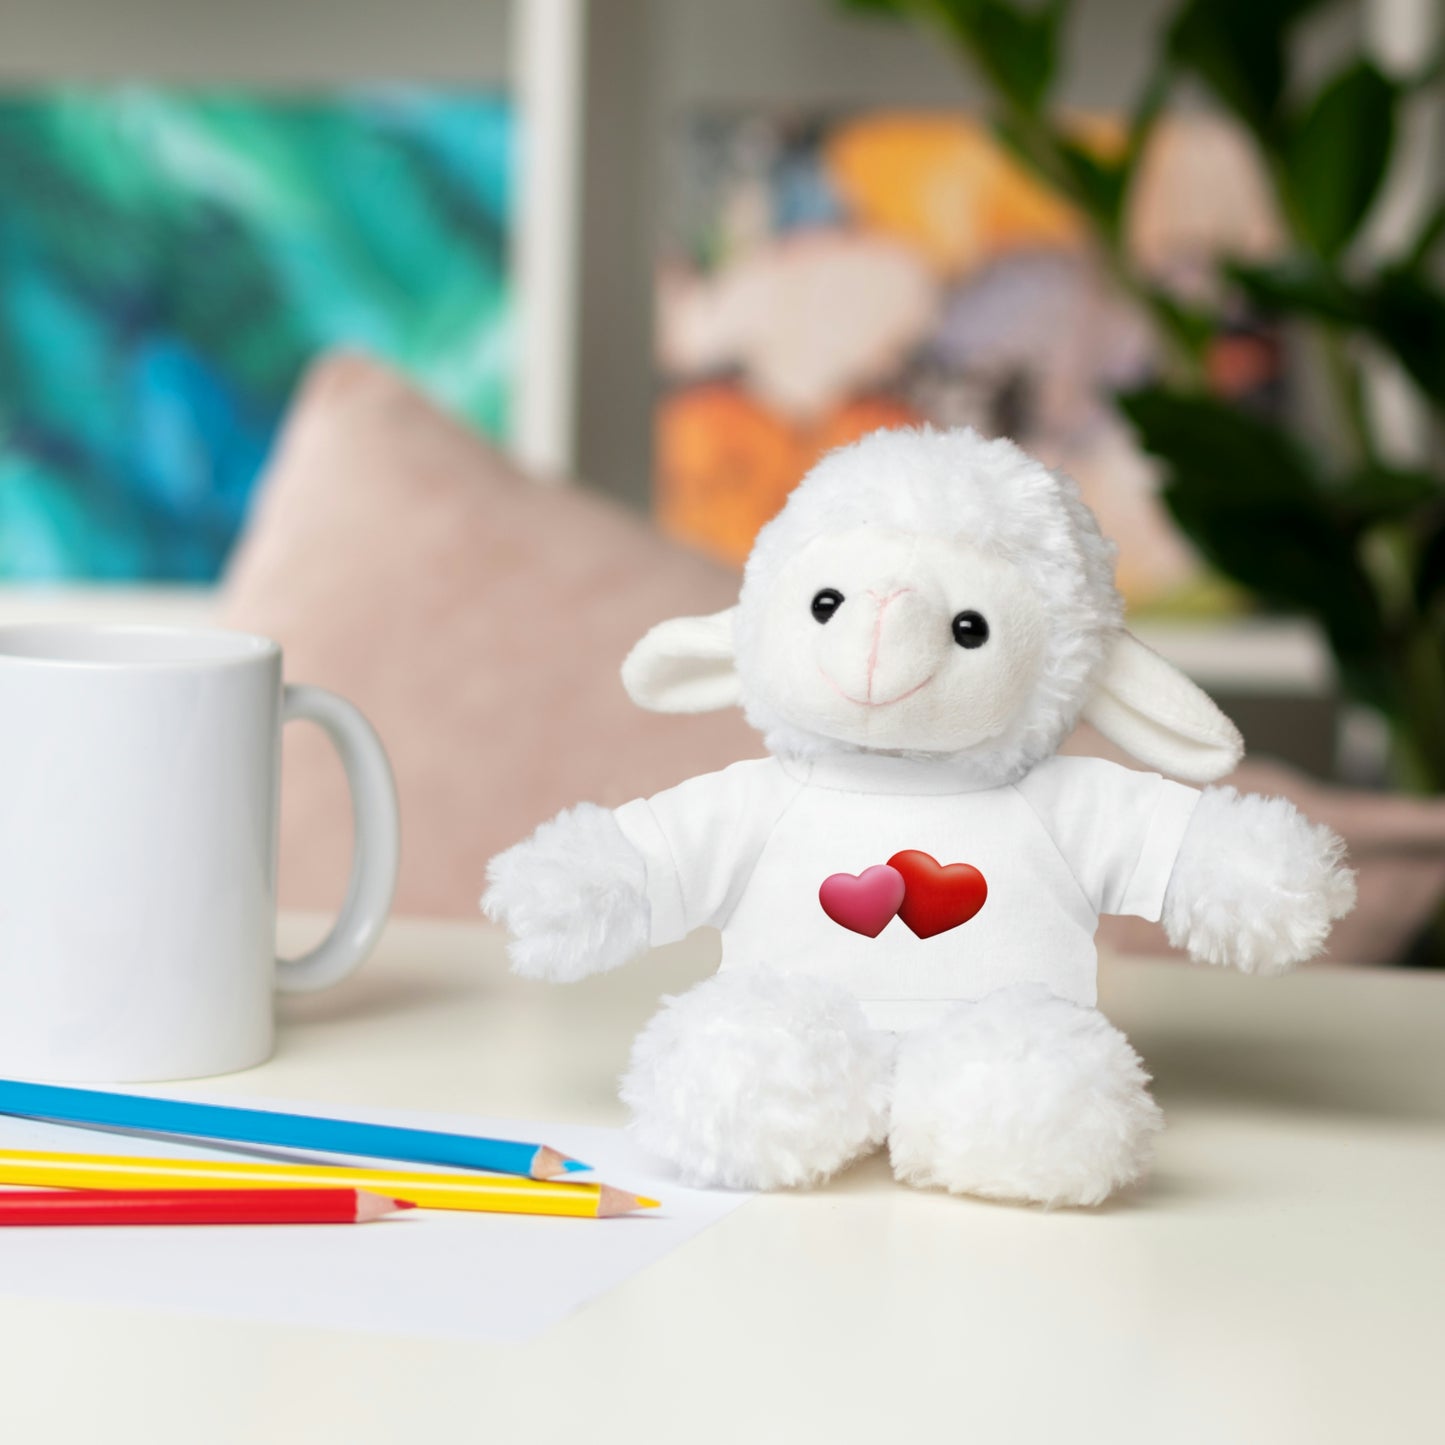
(424, 1272)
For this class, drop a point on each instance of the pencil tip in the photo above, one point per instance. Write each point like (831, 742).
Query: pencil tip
(377, 1206)
(611, 1202)
(548, 1163)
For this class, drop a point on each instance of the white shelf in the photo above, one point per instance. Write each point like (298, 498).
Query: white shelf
(1268, 656)
(171, 606)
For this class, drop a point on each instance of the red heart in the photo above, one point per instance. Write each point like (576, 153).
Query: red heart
(937, 898)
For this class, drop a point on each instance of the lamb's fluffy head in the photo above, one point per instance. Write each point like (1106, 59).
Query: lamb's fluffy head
(914, 529)
(933, 594)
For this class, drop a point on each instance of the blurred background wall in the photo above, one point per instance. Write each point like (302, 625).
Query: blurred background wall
(653, 63)
(261, 41)
(648, 65)
(672, 248)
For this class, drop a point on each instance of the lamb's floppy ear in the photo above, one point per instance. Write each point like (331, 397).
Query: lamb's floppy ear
(1154, 712)
(685, 665)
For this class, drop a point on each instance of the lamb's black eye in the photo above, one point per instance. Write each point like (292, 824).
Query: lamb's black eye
(826, 603)
(969, 629)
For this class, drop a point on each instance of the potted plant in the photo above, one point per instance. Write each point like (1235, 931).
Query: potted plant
(1310, 519)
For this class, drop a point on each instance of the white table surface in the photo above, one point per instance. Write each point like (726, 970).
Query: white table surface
(1281, 1278)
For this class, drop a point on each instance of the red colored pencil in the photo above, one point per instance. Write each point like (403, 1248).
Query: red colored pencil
(194, 1206)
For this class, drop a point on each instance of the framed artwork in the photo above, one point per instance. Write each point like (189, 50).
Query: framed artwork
(172, 259)
(822, 276)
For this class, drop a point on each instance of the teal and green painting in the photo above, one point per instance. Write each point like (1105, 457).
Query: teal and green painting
(170, 261)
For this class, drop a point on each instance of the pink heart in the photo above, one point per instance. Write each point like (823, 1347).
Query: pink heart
(865, 903)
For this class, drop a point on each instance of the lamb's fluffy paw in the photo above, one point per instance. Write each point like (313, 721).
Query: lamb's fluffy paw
(1022, 1096)
(573, 897)
(1256, 884)
(759, 1080)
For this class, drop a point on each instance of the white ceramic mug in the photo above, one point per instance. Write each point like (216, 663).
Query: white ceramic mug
(139, 785)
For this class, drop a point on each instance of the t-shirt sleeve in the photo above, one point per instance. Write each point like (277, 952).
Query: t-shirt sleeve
(701, 841)
(1118, 830)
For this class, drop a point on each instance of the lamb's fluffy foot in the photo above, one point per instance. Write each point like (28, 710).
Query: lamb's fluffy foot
(759, 1080)
(1022, 1096)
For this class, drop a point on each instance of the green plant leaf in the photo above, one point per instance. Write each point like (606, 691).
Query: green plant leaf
(1099, 185)
(1381, 493)
(1403, 309)
(1301, 285)
(1430, 570)
(1252, 501)
(1022, 142)
(1194, 327)
(1337, 155)
(1016, 47)
(1430, 236)
(1237, 48)
(1407, 313)
(1242, 458)
(1291, 559)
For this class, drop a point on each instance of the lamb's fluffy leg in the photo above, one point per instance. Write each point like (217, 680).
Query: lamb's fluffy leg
(1021, 1096)
(573, 896)
(759, 1080)
(1256, 884)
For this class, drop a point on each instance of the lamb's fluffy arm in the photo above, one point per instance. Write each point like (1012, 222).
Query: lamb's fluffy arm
(592, 889)
(573, 896)
(1256, 884)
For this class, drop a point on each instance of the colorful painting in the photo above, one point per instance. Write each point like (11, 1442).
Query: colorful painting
(823, 277)
(170, 261)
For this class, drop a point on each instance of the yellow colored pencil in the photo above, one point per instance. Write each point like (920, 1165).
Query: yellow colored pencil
(487, 1193)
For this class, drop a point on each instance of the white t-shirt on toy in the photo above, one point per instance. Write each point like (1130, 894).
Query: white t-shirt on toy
(749, 849)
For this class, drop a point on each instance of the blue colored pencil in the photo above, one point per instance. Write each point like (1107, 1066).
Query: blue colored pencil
(149, 1115)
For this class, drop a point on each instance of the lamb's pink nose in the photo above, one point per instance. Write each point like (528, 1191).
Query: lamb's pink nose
(901, 656)
(883, 644)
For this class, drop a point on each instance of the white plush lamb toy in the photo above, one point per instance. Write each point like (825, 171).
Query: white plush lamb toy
(908, 887)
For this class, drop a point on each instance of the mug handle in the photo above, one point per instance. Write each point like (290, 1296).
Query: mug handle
(375, 853)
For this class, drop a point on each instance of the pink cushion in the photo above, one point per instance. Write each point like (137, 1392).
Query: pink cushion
(476, 617)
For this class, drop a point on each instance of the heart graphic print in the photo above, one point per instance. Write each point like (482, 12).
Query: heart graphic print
(937, 898)
(912, 885)
(865, 904)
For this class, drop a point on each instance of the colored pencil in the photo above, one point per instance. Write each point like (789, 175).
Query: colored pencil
(494, 1194)
(150, 1115)
(194, 1206)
